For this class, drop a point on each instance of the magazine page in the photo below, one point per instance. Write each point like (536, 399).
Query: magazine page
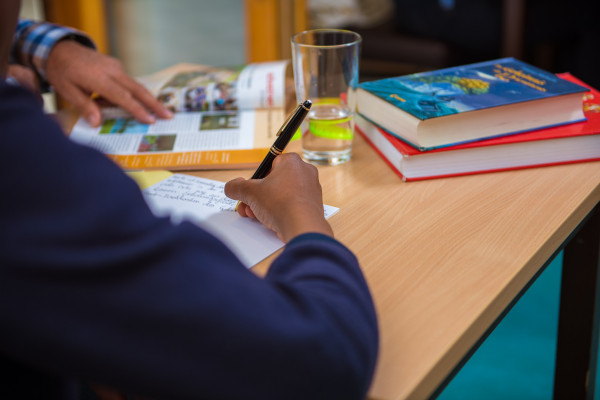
(190, 140)
(224, 118)
(192, 87)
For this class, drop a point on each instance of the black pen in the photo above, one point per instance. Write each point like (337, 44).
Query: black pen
(284, 135)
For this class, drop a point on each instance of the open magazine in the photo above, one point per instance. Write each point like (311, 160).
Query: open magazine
(224, 118)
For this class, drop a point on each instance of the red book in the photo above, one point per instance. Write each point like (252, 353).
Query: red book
(564, 144)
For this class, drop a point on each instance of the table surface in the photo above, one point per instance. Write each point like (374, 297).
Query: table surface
(443, 258)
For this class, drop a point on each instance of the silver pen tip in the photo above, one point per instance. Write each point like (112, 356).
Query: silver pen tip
(307, 104)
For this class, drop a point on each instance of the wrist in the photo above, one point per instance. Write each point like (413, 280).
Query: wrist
(301, 224)
(43, 38)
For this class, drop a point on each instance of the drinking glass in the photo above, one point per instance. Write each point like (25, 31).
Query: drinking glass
(325, 63)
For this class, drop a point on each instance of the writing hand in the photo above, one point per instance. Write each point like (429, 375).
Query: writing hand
(76, 71)
(288, 201)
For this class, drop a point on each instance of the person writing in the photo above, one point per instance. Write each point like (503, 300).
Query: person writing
(95, 288)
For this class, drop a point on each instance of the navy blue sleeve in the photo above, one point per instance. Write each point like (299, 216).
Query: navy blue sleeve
(93, 286)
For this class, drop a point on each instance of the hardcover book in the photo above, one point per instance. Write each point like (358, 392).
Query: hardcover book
(577, 142)
(470, 102)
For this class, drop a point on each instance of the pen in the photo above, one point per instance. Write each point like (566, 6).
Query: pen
(284, 135)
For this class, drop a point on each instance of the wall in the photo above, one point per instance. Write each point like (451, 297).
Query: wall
(148, 35)
(32, 9)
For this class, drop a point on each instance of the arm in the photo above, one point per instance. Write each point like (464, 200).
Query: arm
(33, 42)
(94, 286)
(66, 59)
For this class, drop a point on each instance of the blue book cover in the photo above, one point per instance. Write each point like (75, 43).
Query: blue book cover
(469, 87)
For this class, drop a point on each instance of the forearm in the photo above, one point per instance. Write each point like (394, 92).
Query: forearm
(323, 281)
(163, 324)
(33, 42)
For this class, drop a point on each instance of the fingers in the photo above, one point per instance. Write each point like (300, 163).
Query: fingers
(76, 71)
(124, 92)
(292, 160)
(25, 76)
(120, 89)
(245, 211)
(82, 103)
(239, 189)
(145, 97)
(115, 93)
(113, 90)
(278, 160)
(233, 188)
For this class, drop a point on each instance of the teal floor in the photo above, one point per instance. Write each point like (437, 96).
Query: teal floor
(517, 360)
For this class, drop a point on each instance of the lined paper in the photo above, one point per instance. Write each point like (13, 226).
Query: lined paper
(203, 202)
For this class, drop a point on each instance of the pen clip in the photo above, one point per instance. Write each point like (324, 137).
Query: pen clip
(287, 121)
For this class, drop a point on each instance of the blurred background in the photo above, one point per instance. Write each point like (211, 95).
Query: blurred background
(416, 35)
(399, 37)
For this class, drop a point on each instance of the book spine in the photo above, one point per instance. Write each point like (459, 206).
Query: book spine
(371, 141)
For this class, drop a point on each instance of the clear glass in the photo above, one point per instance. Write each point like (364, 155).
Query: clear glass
(326, 72)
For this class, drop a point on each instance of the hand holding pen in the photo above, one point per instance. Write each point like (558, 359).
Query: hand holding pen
(284, 135)
(288, 200)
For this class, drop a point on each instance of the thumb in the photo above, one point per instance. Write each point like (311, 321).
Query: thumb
(236, 189)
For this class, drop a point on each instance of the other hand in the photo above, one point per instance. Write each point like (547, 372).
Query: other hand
(76, 71)
(289, 200)
(26, 78)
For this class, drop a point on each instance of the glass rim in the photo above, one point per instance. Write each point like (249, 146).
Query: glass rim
(357, 38)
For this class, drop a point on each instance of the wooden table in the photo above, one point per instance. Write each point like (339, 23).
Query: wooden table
(446, 258)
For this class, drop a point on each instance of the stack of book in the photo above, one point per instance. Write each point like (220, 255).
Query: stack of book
(491, 116)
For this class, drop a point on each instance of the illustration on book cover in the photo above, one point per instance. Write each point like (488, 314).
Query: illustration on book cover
(469, 87)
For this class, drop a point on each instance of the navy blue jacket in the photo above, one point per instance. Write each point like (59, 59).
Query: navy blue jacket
(94, 288)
